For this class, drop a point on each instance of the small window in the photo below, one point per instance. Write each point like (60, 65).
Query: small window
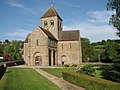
(58, 26)
(37, 42)
(70, 45)
(62, 46)
(45, 23)
(51, 22)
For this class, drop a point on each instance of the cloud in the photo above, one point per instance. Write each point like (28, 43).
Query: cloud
(95, 31)
(19, 34)
(99, 16)
(13, 3)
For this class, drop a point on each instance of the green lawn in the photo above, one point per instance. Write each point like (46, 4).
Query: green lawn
(25, 79)
(58, 71)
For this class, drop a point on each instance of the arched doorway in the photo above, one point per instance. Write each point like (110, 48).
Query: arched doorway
(38, 59)
(63, 59)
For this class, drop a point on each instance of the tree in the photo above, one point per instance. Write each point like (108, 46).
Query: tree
(6, 41)
(13, 49)
(112, 51)
(115, 19)
(88, 52)
(1, 49)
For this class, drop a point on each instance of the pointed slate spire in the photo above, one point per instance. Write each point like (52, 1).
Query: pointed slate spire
(51, 12)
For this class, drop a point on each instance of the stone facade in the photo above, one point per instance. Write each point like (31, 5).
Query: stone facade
(49, 45)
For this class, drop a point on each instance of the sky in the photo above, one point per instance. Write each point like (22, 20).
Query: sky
(20, 17)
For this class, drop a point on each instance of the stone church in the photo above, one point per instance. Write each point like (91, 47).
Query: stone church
(50, 45)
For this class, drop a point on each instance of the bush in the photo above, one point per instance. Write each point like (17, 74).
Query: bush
(74, 65)
(117, 66)
(90, 83)
(88, 70)
(66, 65)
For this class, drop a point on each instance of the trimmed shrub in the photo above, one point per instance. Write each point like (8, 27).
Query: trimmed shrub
(90, 83)
(74, 65)
(88, 70)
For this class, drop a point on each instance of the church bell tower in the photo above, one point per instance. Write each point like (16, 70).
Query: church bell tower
(52, 22)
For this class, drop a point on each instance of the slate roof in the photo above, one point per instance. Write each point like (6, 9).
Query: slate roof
(51, 12)
(48, 33)
(73, 35)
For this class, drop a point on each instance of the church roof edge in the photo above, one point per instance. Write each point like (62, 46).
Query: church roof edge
(47, 33)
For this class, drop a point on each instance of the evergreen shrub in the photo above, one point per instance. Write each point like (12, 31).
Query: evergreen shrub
(88, 70)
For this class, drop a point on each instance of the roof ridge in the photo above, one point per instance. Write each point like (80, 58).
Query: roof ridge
(69, 30)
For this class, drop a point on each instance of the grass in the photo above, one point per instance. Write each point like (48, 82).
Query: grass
(25, 79)
(58, 71)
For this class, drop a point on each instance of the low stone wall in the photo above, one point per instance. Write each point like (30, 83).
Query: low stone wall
(15, 63)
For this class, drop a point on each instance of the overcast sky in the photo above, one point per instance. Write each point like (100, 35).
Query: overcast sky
(20, 17)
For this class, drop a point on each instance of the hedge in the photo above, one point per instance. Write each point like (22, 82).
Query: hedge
(90, 83)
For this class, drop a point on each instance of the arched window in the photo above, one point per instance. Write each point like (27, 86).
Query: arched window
(45, 23)
(51, 22)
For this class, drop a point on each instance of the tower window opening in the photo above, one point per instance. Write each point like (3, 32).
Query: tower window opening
(51, 22)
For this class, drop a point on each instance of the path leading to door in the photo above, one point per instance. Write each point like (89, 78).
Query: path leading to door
(64, 85)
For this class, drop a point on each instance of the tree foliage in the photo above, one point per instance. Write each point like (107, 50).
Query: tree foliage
(13, 49)
(105, 51)
(115, 19)
(88, 52)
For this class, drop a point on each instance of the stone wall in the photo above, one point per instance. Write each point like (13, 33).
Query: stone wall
(69, 52)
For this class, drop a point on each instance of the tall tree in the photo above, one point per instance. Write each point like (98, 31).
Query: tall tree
(88, 52)
(115, 19)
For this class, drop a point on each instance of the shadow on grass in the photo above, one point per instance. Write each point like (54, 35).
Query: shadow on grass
(2, 71)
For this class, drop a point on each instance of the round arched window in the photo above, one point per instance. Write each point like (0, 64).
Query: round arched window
(51, 22)
(45, 23)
